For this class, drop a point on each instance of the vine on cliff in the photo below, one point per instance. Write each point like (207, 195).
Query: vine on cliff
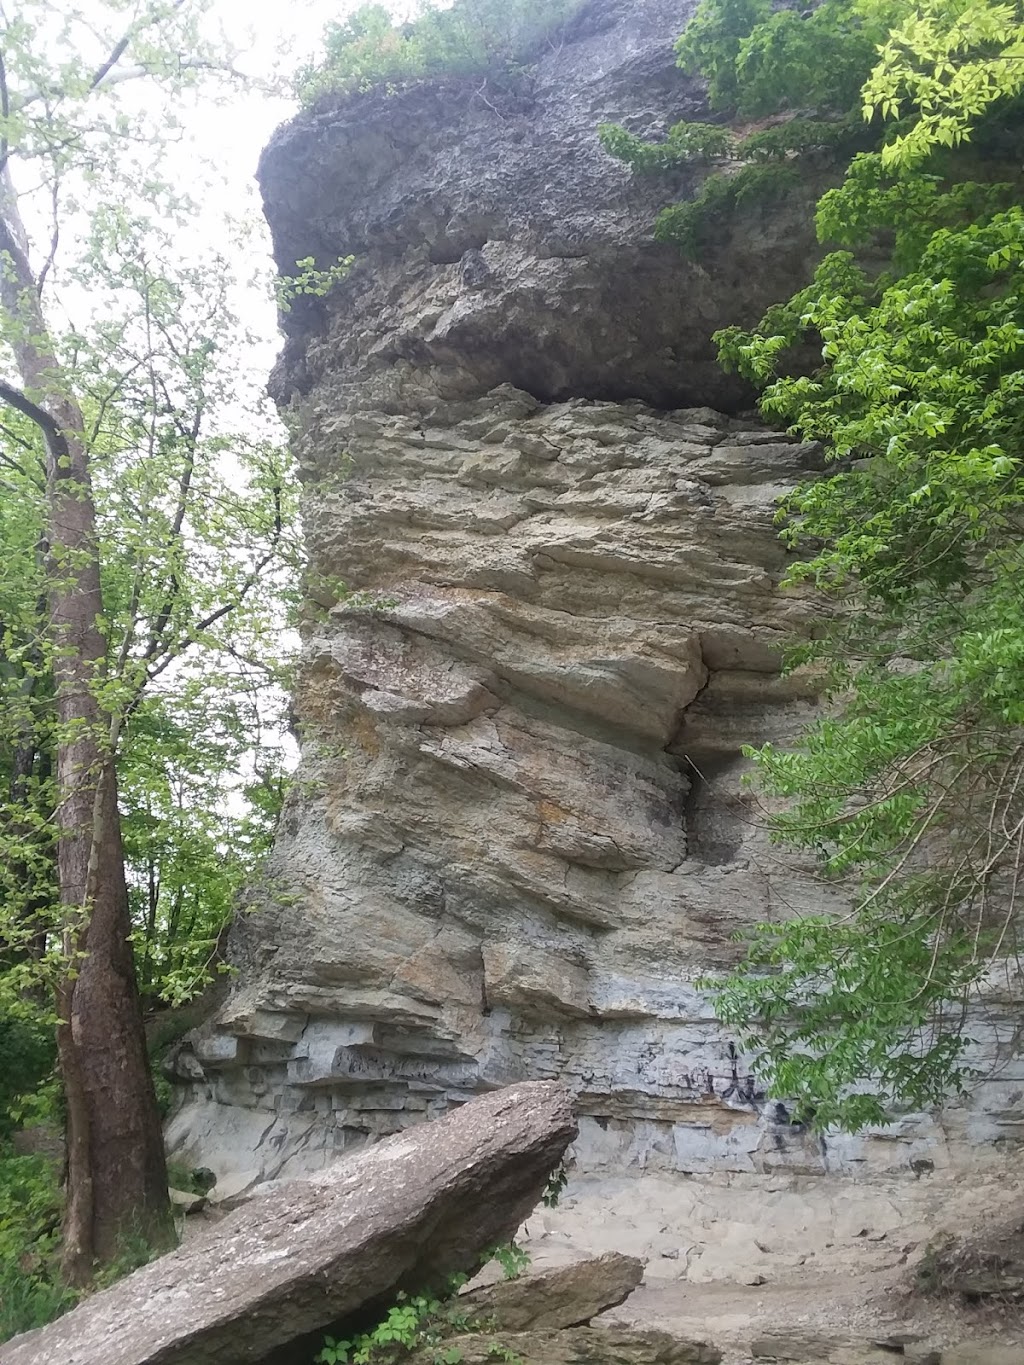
(763, 64)
(911, 789)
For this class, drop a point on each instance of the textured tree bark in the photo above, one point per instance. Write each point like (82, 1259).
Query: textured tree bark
(117, 1178)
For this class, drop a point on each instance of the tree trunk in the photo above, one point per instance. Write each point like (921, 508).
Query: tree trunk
(117, 1178)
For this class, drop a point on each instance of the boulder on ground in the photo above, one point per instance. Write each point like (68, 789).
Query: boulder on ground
(796, 1344)
(581, 1346)
(548, 1300)
(403, 1213)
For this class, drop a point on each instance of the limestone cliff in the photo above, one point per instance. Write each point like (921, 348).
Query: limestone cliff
(519, 833)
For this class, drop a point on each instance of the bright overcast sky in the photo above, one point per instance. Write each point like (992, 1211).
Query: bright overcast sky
(275, 40)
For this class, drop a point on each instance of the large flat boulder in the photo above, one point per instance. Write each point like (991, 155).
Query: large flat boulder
(584, 1346)
(403, 1213)
(565, 1296)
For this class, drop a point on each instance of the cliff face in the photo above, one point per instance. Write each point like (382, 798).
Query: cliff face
(519, 833)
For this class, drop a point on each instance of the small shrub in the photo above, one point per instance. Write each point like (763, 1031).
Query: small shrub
(690, 225)
(557, 1181)
(472, 36)
(512, 1258)
(27, 1052)
(422, 1322)
(31, 1296)
(31, 1292)
(191, 1179)
(685, 142)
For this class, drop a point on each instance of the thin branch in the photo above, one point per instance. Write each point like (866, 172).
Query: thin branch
(5, 113)
(51, 255)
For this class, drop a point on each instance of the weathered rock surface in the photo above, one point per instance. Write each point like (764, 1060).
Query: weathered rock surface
(294, 1261)
(821, 1348)
(520, 832)
(496, 242)
(989, 1352)
(542, 1319)
(585, 1346)
(549, 1300)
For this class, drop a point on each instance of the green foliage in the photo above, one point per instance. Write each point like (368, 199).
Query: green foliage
(711, 43)
(689, 143)
(468, 38)
(828, 139)
(512, 1258)
(196, 504)
(685, 142)
(758, 61)
(950, 63)
(422, 1322)
(31, 1293)
(692, 225)
(135, 1251)
(910, 792)
(557, 1182)
(763, 62)
(419, 1321)
(310, 281)
(27, 1053)
(191, 1179)
(498, 1350)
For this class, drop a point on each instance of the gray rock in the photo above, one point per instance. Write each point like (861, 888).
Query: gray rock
(186, 1201)
(580, 1346)
(521, 832)
(549, 1300)
(565, 291)
(819, 1348)
(407, 1212)
(983, 1353)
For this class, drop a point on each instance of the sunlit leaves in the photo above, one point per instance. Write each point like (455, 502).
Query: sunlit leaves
(194, 492)
(948, 63)
(467, 37)
(909, 792)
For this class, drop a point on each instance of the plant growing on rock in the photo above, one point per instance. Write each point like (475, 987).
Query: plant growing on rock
(761, 62)
(423, 1322)
(471, 37)
(411, 1323)
(911, 789)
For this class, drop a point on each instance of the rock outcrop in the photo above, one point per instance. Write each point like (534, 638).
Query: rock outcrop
(552, 1300)
(310, 1254)
(592, 1346)
(545, 618)
(544, 1318)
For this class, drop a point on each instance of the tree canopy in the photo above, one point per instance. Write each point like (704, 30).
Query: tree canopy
(147, 558)
(910, 788)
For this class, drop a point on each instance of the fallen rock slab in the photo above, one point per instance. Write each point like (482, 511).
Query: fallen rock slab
(983, 1353)
(578, 1346)
(548, 1300)
(415, 1207)
(820, 1348)
(185, 1201)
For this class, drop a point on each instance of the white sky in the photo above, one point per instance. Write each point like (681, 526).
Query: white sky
(276, 40)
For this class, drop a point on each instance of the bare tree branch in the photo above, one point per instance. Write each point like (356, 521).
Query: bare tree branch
(56, 441)
(5, 113)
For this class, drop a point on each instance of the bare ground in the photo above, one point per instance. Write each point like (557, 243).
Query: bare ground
(824, 1266)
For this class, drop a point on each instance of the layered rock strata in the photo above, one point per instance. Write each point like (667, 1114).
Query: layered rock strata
(545, 617)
